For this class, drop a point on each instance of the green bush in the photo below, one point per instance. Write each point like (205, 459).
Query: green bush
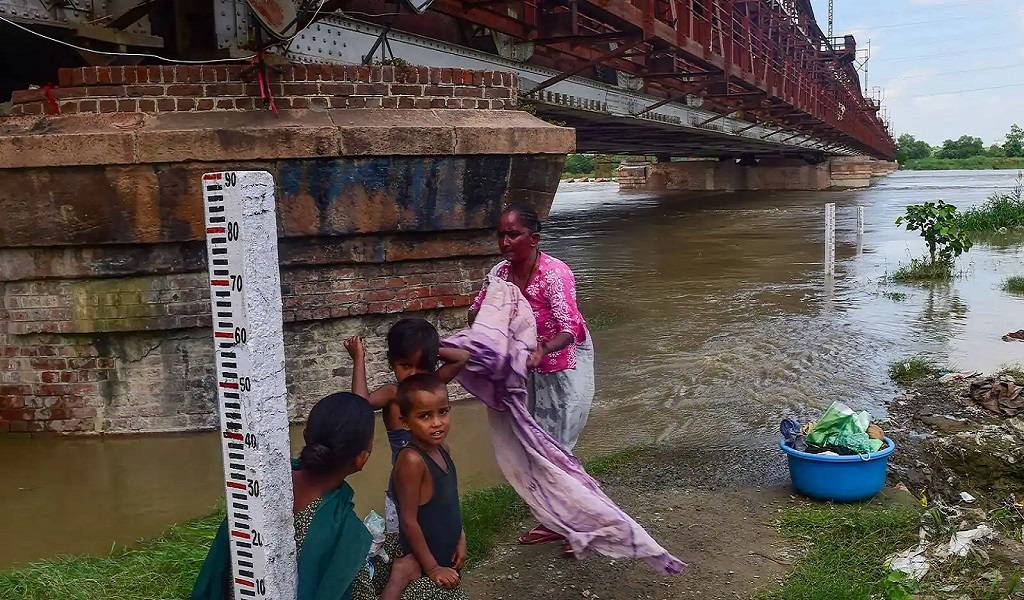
(938, 225)
(1014, 284)
(1002, 209)
(579, 164)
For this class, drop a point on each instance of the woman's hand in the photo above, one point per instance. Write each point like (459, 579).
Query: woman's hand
(444, 577)
(536, 356)
(355, 347)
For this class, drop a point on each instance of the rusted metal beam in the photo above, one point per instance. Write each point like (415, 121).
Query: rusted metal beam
(682, 96)
(626, 47)
(611, 36)
(714, 118)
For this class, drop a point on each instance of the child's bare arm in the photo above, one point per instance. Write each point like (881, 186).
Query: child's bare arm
(408, 476)
(380, 397)
(357, 351)
(459, 559)
(454, 359)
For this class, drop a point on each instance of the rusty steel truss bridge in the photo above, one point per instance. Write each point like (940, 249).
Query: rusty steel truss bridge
(698, 78)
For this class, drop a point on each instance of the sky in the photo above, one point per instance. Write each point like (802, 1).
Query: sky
(946, 68)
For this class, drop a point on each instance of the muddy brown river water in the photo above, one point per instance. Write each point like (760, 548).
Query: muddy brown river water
(712, 319)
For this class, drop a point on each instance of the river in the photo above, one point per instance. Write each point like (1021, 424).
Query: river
(712, 319)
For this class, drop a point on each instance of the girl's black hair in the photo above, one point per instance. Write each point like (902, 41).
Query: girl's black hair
(411, 335)
(339, 428)
(527, 216)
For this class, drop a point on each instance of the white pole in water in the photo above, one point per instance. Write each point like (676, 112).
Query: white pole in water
(860, 230)
(245, 294)
(830, 239)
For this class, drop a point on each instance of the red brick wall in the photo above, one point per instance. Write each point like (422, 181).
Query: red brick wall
(182, 301)
(157, 89)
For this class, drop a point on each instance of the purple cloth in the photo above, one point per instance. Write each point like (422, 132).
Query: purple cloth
(553, 483)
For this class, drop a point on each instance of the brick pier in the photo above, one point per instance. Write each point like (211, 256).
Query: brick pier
(385, 208)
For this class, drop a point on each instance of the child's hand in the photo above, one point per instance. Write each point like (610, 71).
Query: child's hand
(459, 558)
(355, 347)
(444, 577)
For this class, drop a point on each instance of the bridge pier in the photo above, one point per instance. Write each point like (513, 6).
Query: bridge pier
(744, 175)
(388, 189)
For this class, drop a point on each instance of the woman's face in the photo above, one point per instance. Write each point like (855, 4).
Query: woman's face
(517, 243)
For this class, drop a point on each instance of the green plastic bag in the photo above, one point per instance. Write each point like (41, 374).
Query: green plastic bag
(840, 426)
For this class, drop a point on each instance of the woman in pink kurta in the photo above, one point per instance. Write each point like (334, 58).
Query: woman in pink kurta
(561, 377)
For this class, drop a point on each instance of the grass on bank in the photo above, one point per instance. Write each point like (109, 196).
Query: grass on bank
(162, 568)
(1017, 372)
(1001, 210)
(922, 270)
(1014, 284)
(847, 548)
(166, 567)
(906, 372)
(970, 163)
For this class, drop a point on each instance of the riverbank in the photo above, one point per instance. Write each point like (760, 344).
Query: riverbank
(729, 513)
(965, 464)
(974, 163)
(166, 567)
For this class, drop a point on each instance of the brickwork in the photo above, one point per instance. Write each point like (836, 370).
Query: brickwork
(104, 298)
(182, 301)
(145, 382)
(161, 89)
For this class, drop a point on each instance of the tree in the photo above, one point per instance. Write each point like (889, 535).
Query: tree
(964, 147)
(938, 226)
(908, 148)
(1014, 145)
(996, 151)
(579, 164)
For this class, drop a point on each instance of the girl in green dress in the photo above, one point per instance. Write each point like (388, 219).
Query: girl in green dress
(331, 540)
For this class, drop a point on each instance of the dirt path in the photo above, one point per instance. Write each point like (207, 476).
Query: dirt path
(716, 516)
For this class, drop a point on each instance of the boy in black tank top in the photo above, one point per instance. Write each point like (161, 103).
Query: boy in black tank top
(426, 491)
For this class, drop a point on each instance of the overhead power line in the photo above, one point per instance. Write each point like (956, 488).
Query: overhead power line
(967, 91)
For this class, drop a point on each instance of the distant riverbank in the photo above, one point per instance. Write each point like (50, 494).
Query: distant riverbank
(973, 163)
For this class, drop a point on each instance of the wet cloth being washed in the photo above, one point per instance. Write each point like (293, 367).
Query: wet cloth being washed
(560, 494)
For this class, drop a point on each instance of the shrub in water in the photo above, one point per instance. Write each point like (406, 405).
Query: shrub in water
(937, 223)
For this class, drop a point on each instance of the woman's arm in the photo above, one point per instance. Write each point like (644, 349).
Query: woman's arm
(555, 344)
(408, 477)
(560, 293)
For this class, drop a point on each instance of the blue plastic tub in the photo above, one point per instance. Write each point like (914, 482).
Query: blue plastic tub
(839, 478)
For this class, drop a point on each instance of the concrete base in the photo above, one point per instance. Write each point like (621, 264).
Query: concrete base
(768, 174)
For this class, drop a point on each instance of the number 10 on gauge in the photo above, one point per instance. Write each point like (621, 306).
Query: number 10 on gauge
(245, 299)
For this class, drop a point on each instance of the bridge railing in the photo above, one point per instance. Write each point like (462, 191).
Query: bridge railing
(767, 58)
